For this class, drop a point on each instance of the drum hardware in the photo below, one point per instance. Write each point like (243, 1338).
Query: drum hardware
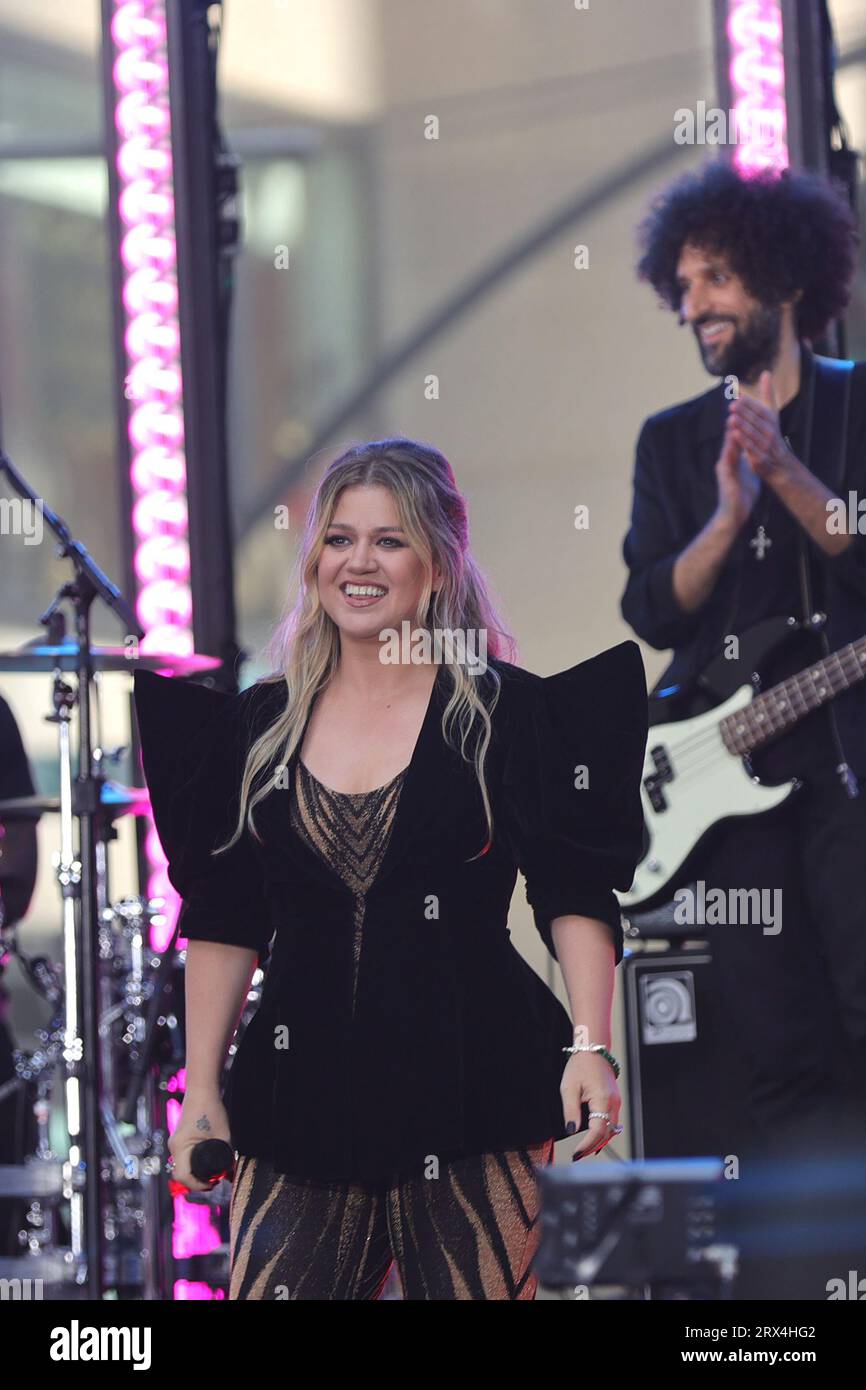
(140, 1032)
(46, 657)
(95, 997)
(40, 1270)
(115, 800)
(47, 1179)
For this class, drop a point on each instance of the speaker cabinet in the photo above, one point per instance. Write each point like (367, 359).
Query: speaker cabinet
(687, 1089)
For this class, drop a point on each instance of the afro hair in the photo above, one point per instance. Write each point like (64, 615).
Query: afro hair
(778, 232)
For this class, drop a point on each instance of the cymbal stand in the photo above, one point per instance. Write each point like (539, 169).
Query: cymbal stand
(78, 880)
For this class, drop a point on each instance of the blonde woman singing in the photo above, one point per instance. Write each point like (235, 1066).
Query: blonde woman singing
(405, 1072)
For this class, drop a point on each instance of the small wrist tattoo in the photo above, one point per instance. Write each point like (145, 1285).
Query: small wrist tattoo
(202, 1122)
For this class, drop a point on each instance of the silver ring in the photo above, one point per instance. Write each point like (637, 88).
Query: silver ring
(599, 1115)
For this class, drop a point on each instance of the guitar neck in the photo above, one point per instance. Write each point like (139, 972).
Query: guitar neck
(782, 706)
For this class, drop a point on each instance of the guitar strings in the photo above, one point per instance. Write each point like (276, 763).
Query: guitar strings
(709, 741)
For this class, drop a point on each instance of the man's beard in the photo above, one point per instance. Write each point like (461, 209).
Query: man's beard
(752, 348)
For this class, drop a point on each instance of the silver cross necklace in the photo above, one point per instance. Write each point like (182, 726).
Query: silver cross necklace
(761, 542)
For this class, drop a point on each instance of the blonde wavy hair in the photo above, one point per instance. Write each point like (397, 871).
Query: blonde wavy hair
(304, 650)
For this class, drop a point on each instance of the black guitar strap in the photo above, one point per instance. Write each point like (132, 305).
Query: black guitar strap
(827, 415)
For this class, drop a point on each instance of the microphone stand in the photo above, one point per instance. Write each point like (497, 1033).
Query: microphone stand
(79, 882)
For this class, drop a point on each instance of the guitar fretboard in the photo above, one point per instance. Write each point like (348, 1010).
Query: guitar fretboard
(779, 708)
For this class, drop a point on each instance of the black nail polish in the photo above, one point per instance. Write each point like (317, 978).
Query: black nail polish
(571, 1127)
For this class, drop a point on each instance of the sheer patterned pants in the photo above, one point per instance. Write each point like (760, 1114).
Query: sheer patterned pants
(471, 1233)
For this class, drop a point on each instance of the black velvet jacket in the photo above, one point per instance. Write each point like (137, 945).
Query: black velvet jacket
(455, 1044)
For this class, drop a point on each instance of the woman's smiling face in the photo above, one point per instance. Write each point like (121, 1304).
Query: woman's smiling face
(366, 549)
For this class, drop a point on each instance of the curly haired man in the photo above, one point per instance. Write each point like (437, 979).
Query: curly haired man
(729, 534)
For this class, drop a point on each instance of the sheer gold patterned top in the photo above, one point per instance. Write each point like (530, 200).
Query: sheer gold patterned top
(350, 831)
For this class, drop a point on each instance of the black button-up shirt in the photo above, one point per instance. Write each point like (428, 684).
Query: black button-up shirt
(675, 494)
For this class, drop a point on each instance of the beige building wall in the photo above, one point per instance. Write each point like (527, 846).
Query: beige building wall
(543, 386)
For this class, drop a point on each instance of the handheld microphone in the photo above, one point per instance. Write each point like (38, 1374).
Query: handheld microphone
(212, 1159)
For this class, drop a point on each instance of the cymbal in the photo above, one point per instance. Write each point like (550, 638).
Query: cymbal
(115, 797)
(40, 657)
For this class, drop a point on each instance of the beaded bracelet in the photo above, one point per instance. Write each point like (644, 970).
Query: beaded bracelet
(601, 1050)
